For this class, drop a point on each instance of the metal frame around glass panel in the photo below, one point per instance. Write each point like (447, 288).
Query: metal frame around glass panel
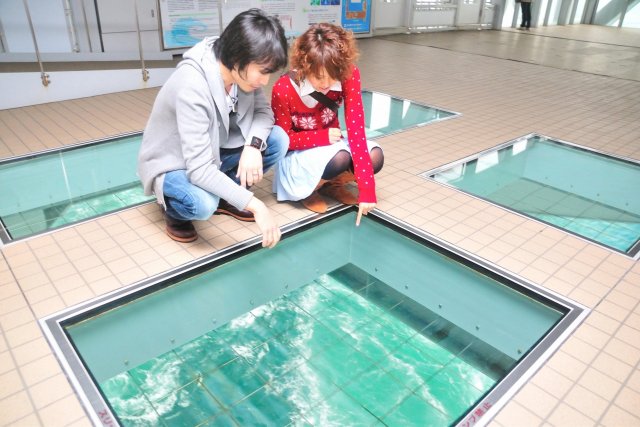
(633, 253)
(6, 239)
(100, 414)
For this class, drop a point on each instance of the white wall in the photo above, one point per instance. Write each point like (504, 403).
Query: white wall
(22, 89)
(48, 19)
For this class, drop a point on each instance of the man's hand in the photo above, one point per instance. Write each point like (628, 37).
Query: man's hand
(364, 209)
(335, 135)
(250, 166)
(266, 223)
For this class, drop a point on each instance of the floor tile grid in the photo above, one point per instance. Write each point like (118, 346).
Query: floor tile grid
(594, 33)
(573, 285)
(562, 411)
(29, 370)
(606, 55)
(40, 127)
(436, 219)
(78, 263)
(572, 277)
(437, 80)
(57, 288)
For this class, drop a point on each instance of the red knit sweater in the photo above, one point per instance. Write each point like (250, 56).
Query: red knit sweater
(309, 127)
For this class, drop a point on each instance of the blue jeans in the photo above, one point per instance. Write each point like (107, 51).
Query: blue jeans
(185, 201)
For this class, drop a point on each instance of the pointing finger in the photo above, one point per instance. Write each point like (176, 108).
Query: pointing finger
(359, 217)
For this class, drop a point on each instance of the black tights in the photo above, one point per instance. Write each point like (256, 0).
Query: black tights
(341, 162)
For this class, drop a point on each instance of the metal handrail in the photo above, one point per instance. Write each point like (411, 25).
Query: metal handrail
(43, 76)
(73, 38)
(145, 72)
(86, 25)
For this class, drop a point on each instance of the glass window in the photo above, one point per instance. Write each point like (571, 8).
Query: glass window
(632, 17)
(608, 12)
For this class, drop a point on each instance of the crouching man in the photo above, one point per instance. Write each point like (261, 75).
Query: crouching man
(211, 133)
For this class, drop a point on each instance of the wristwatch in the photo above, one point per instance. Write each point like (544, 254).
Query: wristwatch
(257, 143)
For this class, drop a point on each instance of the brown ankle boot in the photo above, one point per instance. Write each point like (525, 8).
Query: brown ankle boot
(337, 189)
(178, 230)
(315, 203)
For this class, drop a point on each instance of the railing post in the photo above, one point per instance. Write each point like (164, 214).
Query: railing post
(145, 72)
(86, 25)
(43, 76)
(68, 12)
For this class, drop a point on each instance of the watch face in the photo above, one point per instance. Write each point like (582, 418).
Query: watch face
(258, 143)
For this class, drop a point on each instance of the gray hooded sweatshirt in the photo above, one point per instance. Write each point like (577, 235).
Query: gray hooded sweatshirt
(189, 123)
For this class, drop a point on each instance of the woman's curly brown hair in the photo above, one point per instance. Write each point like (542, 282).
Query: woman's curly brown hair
(325, 46)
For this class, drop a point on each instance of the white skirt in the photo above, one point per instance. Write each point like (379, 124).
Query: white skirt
(298, 173)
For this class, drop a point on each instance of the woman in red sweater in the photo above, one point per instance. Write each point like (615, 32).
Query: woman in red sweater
(305, 102)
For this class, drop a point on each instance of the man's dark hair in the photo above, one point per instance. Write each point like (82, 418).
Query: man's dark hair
(252, 36)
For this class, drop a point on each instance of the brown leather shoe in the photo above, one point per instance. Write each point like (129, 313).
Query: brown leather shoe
(225, 208)
(338, 189)
(179, 230)
(315, 203)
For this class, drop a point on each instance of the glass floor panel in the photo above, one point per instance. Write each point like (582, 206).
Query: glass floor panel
(587, 193)
(385, 114)
(50, 190)
(42, 192)
(325, 329)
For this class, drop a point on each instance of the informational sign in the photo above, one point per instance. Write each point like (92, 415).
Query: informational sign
(356, 16)
(186, 22)
(296, 16)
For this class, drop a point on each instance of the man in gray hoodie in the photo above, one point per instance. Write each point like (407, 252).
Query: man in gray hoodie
(210, 135)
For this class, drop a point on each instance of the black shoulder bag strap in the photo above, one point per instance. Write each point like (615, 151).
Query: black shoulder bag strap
(319, 96)
(325, 100)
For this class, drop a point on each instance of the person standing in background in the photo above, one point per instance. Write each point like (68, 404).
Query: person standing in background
(525, 6)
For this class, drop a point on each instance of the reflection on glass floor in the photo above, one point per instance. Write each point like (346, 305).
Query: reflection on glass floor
(612, 227)
(386, 114)
(581, 191)
(338, 351)
(54, 189)
(41, 219)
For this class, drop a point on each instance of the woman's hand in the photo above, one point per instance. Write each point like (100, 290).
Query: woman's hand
(364, 209)
(250, 166)
(335, 135)
(266, 223)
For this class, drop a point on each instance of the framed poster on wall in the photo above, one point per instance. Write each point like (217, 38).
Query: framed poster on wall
(356, 16)
(186, 22)
(296, 16)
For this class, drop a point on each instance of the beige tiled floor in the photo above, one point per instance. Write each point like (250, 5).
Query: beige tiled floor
(592, 380)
